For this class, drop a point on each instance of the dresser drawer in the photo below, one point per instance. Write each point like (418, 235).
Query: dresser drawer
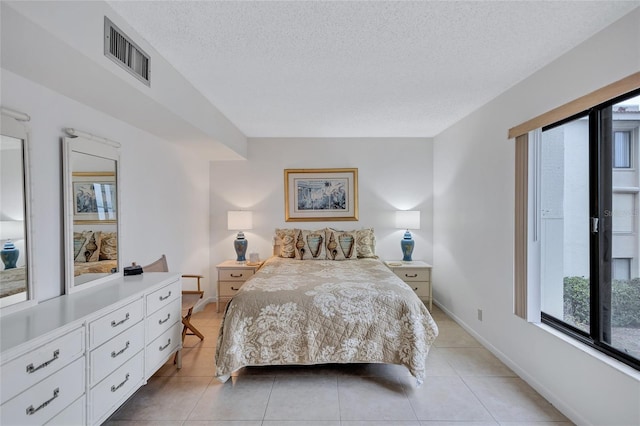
(229, 289)
(114, 323)
(115, 352)
(119, 385)
(44, 401)
(161, 348)
(164, 296)
(234, 274)
(24, 372)
(163, 319)
(412, 274)
(74, 414)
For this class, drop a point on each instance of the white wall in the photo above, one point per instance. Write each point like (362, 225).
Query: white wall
(59, 44)
(393, 174)
(164, 190)
(473, 232)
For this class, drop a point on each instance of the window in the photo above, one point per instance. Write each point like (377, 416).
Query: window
(586, 212)
(622, 150)
(621, 269)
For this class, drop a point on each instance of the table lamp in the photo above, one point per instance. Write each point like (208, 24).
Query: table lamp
(407, 219)
(239, 221)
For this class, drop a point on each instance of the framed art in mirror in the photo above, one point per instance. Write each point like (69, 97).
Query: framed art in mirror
(91, 204)
(16, 283)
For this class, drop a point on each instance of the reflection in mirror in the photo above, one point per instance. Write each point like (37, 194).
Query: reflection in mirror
(91, 202)
(14, 244)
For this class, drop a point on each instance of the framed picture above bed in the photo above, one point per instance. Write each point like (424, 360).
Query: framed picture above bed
(315, 195)
(94, 197)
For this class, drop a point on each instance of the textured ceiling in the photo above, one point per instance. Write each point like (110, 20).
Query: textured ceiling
(356, 69)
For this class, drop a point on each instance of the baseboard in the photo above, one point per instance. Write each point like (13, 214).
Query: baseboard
(557, 402)
(202, 303)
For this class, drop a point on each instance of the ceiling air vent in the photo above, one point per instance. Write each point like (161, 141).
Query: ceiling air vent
(124, 52)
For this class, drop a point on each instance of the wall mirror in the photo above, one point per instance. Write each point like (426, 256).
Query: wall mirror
(16, 290)
(92, 211)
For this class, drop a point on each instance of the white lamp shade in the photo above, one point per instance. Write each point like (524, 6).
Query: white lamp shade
(239, 220)
(408, 219)
(11, 230)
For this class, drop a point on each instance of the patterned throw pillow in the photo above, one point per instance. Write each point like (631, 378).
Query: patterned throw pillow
(366, 243)
(109, 246)
(341, 245)
(80, 240)
(287, 239)
(310, 245)
(86, 246)
(93, 247)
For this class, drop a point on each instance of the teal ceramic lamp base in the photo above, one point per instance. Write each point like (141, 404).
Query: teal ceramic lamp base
(407, 245)
(9, 255)
(240, 245)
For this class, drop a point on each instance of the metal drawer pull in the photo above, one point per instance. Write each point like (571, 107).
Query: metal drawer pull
(411, 276)
(415, 289)
(32, 369)
(115, 324)
(115, 354)
(165, 297)
(115, 388)
(234, 289)
(236, 276)
(162, 348)
(164, 320)
(31, 410)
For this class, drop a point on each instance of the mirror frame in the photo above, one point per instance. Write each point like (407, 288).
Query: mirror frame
(94, 146)
(13, 125)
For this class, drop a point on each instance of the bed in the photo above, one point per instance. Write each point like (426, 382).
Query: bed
(305, 312)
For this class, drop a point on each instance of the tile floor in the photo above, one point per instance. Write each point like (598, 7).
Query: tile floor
(465, 386)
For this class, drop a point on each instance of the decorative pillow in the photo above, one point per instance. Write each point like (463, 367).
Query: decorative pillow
(109, 246)
(80, 239)
(341, 245)
(287, 242)
(93, 247)
(86, 247)
(310, 245)
(366, 243)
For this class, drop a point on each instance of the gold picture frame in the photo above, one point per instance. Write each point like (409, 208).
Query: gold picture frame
(94, 197)
(316, 195)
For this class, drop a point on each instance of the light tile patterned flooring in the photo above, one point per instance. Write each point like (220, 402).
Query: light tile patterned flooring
(465, 386)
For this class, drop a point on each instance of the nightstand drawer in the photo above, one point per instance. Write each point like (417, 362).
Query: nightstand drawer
(234, 274)
(412, 274)
(420, 287)
(229, 289)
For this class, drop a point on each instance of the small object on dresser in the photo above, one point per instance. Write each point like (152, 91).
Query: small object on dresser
(134, 269)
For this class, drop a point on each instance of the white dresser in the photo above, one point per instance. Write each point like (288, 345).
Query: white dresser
(75, 359)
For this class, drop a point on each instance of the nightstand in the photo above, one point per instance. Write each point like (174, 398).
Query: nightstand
(417, 274)
(231, 276)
